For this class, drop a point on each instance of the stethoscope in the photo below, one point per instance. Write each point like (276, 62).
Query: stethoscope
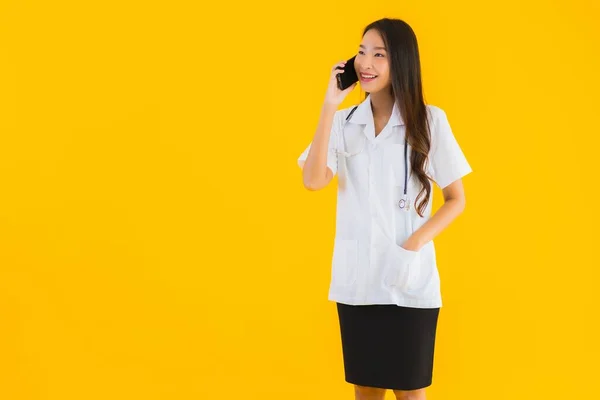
(404, 202)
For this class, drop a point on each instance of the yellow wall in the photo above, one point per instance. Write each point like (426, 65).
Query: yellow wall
(155, 238)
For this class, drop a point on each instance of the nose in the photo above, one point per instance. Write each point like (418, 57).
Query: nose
(364, 65)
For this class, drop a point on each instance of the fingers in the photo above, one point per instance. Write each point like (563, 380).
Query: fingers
(339, 65)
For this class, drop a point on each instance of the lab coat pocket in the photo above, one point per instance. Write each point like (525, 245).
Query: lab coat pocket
(345, 262)
(403, 268)
(423, 281)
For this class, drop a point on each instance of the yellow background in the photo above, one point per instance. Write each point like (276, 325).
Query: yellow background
(156, 241)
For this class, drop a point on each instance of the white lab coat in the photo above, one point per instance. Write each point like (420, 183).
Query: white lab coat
(369, 265)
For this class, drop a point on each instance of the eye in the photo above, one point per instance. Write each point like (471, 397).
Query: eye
(380, 54)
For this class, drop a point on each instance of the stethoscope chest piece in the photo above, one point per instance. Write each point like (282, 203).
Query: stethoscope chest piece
(404, 203)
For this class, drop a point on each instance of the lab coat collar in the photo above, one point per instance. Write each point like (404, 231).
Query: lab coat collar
(364, 114)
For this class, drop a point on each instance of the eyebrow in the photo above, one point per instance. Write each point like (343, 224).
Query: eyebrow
(376, 48)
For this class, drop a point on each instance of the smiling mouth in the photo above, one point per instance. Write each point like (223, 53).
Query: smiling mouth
(367, 77)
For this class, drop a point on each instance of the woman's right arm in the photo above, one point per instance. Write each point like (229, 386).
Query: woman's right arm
(315, 172)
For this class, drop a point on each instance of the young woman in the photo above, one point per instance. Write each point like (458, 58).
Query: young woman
(386, 152)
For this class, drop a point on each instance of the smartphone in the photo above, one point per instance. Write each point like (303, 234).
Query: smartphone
(348, 77)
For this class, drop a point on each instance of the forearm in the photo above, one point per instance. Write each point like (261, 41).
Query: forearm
(451, 209)
(314, 172)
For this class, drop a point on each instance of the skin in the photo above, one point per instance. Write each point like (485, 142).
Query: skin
(373, 60)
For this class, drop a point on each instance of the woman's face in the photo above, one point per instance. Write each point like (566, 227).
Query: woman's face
(372, 59)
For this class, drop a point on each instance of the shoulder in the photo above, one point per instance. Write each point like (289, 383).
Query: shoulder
(343, 113)
(439, 126)
(340, 116)
(435, 114)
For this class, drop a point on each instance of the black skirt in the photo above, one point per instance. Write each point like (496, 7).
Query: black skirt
(388, 346)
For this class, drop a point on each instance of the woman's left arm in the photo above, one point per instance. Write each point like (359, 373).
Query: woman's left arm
(454, 204)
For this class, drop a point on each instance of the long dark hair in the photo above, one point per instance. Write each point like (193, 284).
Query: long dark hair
(405, 72)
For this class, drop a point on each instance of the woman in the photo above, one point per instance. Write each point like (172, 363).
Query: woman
(386, 152)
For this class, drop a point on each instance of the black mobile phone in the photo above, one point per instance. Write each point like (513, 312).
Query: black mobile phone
(348, 77)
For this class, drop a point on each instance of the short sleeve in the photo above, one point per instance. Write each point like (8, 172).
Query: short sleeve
(333, 140)
(447, 160)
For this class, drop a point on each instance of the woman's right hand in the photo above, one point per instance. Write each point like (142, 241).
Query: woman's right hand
(334, 95)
